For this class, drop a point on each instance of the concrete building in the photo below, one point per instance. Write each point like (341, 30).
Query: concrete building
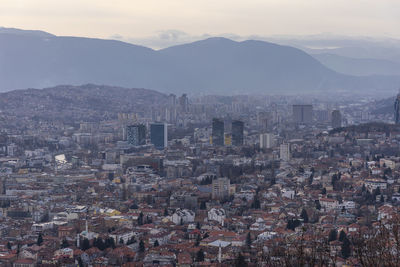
(136, 134)
(303, 114)
(159, 135)
(217, 132)
(267, 140)
(220, 188)
(336, 119)
(237, 133)
(284, 152)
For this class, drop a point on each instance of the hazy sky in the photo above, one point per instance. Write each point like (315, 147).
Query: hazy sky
(145, 19)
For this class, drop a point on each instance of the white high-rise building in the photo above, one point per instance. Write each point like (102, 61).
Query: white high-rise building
(284, 150)
(267, 140)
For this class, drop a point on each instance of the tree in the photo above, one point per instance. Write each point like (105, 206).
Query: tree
(342, 236)
(304, 216)
(332, 235)
(156, 244)
(317, 204)
(323, 192)
(85, 244)
(346, 251)
(240, 261)
(9, 245)
(203, 205)
(131, 240)
(248, 239)
(200, 256)
(140, 219)
(99, 243)
(109, 243)
(142, 248)
(256, 203)
(165, 212)
(121, 241)
(64, 243)
(39, 239)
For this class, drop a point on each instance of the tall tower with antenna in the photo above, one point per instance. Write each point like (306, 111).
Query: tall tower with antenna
(397, 109)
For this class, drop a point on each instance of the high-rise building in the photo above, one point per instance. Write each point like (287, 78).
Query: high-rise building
(284, 151)
(172, 100)
(184, 103)
(302, 114)
(397, 110)
(220, 188)
(217, 132)
(159, 135)
(267, 140)
(237, 133)
(136, 134)
(336, 119)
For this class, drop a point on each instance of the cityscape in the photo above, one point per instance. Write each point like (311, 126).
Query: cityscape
(198, 133)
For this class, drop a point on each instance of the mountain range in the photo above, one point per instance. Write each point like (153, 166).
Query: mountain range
(36, 59)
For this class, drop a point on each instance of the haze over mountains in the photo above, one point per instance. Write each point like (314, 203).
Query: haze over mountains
(35, 59)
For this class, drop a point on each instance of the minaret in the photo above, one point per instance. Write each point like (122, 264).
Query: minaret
(219, 253)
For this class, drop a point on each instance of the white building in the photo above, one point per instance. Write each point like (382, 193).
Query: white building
(373, 184)
(183, 216)
(328, 203)
(267, 140)
(218, 215)
(284, 152)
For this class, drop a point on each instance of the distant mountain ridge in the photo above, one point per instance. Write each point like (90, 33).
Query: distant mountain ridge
(34, 59)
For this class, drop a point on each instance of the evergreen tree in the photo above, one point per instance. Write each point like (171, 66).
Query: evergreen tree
(304, 216)
(39, 239)
(240, 261)
(248, 239)
(140, 219)
(121, 241)
(156, 244)
(110, 242)
(165, 212)
(317, 205)
(203, 205)
(332, 235)
(323, 192)
(200, 256)
(346, 250)
(9, 245)
(342, 236)
(142, 248)
(256, 203)
(85, 244)
(64, 243)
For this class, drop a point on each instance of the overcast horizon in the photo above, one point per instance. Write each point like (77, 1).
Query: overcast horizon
(161, 24)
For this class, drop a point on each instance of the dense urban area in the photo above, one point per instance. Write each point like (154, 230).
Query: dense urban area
(105, 176)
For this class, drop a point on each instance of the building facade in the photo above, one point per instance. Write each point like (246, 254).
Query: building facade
(159, 135)
(302, 114)
(237, 133)
(136, 134)
(217, 132)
